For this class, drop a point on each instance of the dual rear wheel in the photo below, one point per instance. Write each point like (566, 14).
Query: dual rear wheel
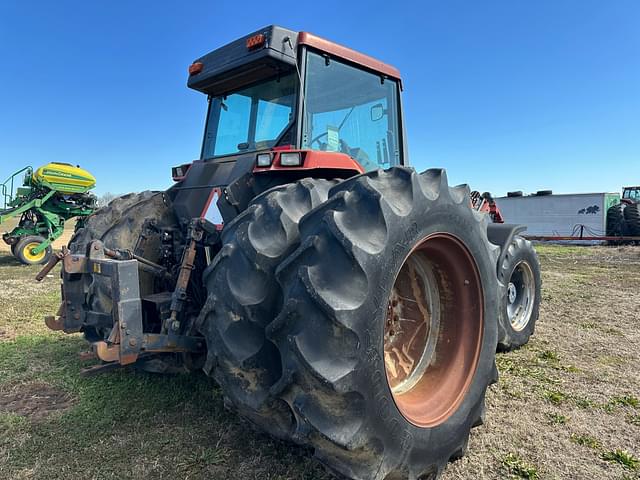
(369, 333)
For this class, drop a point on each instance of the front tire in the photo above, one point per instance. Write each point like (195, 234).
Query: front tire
(375, 397)
(520, 299)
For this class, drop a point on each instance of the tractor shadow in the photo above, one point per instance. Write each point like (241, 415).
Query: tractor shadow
(6, 259)
(175, 422)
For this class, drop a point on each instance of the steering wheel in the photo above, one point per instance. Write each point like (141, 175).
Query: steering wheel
(317, 139)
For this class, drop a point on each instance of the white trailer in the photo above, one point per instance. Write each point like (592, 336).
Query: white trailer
(565, 215)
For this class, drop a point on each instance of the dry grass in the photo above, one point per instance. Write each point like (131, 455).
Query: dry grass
(62, 240)
(566, 407)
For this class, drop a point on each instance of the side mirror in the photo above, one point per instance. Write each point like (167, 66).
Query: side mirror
(377, 112)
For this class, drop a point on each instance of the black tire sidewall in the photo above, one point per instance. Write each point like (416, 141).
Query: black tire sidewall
(443, 439)
(509, 338)
(19, 246)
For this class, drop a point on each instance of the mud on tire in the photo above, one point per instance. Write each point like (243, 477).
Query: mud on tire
(331, 333)
(521, 290)
(118, 225)
(244, 296)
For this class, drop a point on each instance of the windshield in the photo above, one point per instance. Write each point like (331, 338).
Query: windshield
(631, 193)
(254, 118)
(352, 111)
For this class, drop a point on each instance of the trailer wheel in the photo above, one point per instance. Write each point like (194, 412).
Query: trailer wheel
(632, 219)
(387, 331)
(23, 250)
(243, 296)
(520, 299)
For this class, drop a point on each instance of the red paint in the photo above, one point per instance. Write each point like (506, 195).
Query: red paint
(306, 38)
(491, 207)
(315, 160)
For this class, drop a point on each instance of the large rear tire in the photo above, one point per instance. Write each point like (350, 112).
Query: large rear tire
(632, 219)
(520, 299)
(388, 328)
(615, 221)
(119, 225)
(243, 297)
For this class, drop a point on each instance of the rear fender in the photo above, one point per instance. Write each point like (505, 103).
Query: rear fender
(502, 234)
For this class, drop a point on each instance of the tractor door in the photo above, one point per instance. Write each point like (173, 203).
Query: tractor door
(351, 110)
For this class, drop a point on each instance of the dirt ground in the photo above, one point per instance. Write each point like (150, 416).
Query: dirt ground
(62, 240)
(567, 405)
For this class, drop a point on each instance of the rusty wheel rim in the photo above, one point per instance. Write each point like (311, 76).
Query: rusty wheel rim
(433, 330)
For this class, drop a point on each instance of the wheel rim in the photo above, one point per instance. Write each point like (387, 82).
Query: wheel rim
(27, 251)
(521, 293)
(433, 330)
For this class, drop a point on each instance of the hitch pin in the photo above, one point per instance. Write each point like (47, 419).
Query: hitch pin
(53, 261)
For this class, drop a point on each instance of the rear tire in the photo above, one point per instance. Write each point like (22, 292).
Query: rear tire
(632, 219)
(23, 250)
(520, 298)
(615, 221)
(357, 249)
(243, 296)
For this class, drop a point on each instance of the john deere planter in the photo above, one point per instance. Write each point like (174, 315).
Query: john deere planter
(47, 198)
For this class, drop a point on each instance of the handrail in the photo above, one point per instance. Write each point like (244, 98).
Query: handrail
(8, 197)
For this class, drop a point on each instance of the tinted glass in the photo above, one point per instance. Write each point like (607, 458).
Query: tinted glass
(352, 111)
(250, 119)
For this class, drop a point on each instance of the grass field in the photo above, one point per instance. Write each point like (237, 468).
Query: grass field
(567, 405)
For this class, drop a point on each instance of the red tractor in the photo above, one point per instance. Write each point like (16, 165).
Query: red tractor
(340, 299)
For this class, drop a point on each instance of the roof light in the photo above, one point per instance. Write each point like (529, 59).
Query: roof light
(255, 41)
(264, 160)
(195, 68)
(290, 159)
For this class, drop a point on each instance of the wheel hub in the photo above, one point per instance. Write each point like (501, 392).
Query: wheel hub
(512, 292)
(412, 324)
(521, 294)
(433, 330)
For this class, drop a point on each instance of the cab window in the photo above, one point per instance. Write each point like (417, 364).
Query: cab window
(352, 111)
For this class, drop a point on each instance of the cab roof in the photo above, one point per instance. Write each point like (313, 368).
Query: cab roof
(267, 52)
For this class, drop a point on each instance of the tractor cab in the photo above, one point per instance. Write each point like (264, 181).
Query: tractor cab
(286, 105)
(631, 195)
(280, 90)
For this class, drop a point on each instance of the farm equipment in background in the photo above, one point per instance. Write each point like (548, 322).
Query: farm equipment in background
(623, 219)
(520, 274)
(340, 299)
(46, 199)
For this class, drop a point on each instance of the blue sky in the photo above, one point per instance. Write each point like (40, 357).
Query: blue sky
(507, 95)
